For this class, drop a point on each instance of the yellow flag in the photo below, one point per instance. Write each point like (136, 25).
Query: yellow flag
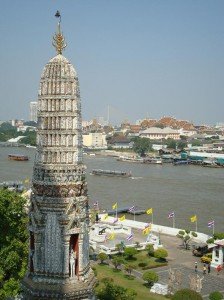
(26, 180)
(111, 236)
(114, 206)
(122, 218)
(193, 218)
(146, 230)
(149, 211)
(105, 216)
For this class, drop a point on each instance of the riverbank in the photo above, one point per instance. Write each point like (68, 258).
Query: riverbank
(186, 190)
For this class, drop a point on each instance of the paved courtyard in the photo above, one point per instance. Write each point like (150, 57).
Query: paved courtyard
(184, 261)
(181, 260)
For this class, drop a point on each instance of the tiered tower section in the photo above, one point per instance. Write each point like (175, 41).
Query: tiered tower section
(59, 243)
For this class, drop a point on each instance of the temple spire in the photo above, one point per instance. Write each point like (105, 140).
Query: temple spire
(58, 38)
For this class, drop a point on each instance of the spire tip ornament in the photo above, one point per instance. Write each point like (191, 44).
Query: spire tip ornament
(58, 39)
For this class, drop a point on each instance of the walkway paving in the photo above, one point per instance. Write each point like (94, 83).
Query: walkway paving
(184, 261)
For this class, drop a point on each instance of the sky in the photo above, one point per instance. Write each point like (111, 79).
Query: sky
(142, 58)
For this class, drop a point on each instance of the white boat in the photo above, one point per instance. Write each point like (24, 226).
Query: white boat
(131, 159)
(153, 160)
(92, 154)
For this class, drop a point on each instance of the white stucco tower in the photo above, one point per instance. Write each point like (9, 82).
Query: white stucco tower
(59, 242)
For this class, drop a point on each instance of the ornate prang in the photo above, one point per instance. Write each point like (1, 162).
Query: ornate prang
(58, 38)
(195, 282)
(59, 265)
(174, 280)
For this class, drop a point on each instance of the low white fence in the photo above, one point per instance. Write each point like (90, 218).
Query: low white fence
(202, 237)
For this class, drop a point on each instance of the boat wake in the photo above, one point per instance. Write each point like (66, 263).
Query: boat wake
(136, 177)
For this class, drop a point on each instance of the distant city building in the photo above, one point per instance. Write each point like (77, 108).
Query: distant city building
(13, 122)
(95, 140)
(33, 111)
(187, 132)
(120, 142)
(26, 128)
(220, 125)
(154, 133)
(157, 147)
(102, 121)
(91, 126)
(17, 123)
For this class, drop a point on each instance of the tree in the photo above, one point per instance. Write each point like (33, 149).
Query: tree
(13, 243)
(151, 277)
(150, 249)
(137, 245)
(30, 138)
(181, 145)
(171, 144)
(119, 247)
(161, 253)
(196, 142)
(128, 268)
(117, 261)
(5, 126)
(111, 291)
(183, 137)
(216, 295)
(102, 257)
(30, 123)
(141, 146)
(186, 236)
(186, 294)
(130, 252)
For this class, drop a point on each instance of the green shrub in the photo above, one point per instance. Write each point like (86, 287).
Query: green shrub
(130, 252)
(142, 264)
(219, 235)
(210, 241)
(161, 253)
(102, 257)
(150, 249)
(216, 296)
(186, 294)
(151, 277)
(181, 232)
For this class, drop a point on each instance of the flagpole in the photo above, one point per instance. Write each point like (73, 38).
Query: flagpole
(116, 211)
(213, 229)
(134, 214)
(152, 217)
(196, 224)
(174, 221)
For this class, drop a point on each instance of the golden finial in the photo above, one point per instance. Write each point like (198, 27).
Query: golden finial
(58, 38)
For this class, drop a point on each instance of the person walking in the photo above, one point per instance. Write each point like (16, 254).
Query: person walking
(219, 268)
(209, 268)
(196, 267)
(204, 269)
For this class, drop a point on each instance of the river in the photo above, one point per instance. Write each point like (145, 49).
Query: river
(186, 190)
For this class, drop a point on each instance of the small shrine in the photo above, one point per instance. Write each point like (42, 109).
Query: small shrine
(218, 254)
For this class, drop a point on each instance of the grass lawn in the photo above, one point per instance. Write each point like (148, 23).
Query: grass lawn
(119, 279)
(142, 257)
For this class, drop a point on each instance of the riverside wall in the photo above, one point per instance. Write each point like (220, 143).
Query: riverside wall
(201, 237)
